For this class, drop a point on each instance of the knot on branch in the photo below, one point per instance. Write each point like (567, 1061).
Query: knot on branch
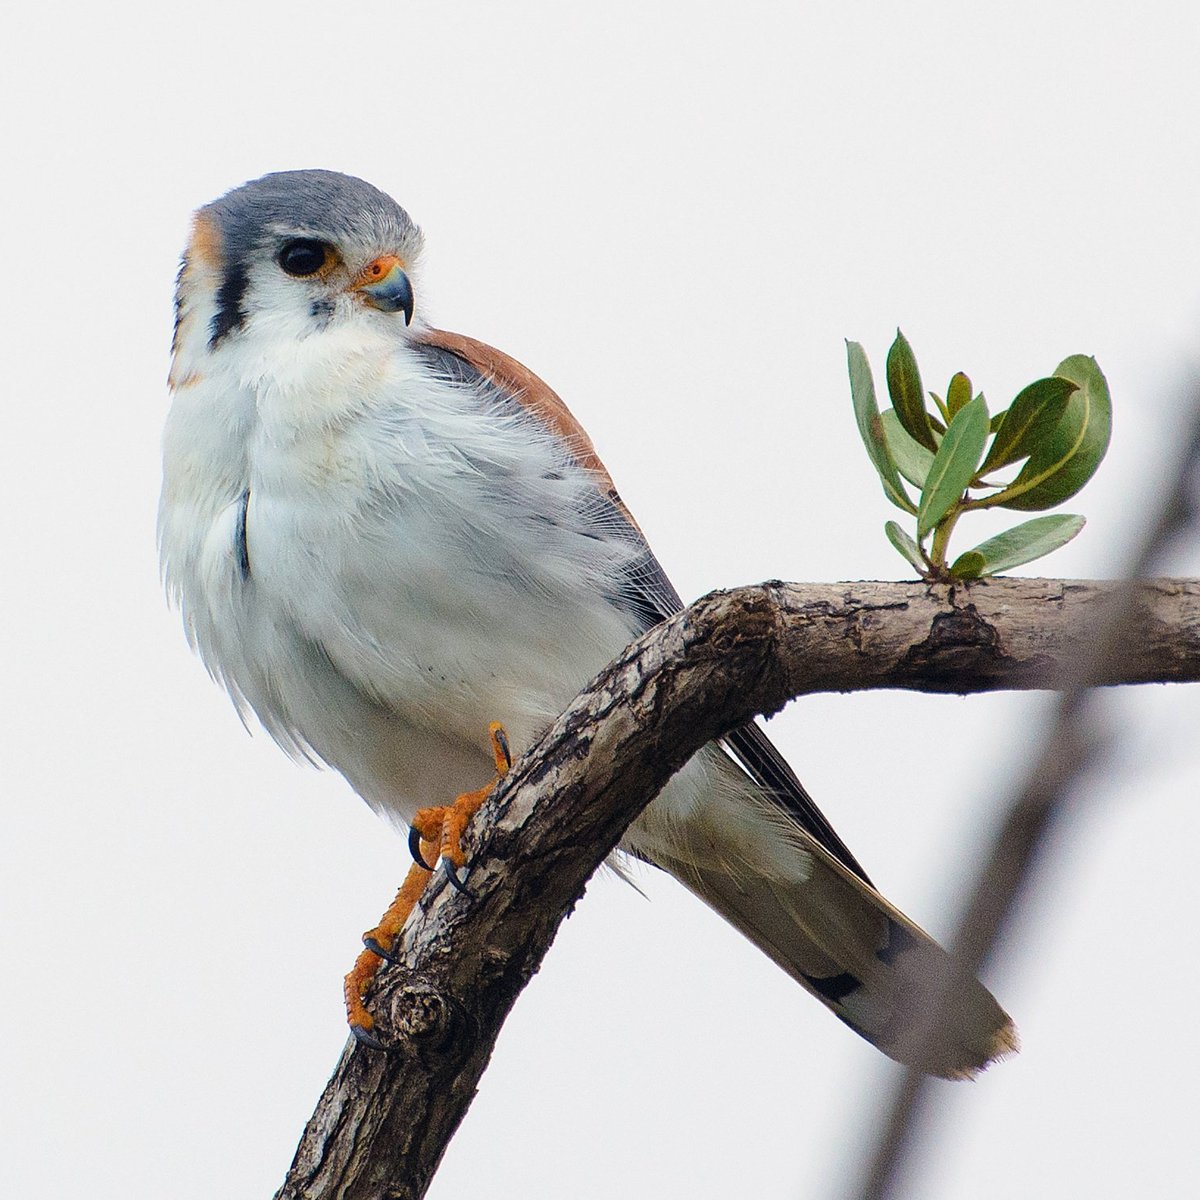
(420, 1014)
(960, 648)
(734, 634)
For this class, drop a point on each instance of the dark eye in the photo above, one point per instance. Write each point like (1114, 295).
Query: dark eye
(304, 256)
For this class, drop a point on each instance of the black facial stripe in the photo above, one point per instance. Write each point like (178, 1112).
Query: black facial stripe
(230, 314)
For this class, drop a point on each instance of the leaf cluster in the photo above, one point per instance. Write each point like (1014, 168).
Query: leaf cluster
(955, 454)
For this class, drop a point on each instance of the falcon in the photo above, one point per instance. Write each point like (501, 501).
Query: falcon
(397, 549)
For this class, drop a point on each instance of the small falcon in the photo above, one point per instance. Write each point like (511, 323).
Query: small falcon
(385, 538)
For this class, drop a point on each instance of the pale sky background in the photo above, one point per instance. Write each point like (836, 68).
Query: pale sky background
(674, 213)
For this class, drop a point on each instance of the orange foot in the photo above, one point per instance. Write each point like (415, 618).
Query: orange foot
(439, 828)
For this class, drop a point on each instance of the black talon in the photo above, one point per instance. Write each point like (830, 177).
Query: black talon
(414, 847)
(364, 1037)
(451, 873)
(375, 948)
(502, 741)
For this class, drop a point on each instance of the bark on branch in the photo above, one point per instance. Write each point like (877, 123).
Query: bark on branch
(385, 1118)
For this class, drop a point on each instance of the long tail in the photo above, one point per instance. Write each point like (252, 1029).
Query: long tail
(841, 940)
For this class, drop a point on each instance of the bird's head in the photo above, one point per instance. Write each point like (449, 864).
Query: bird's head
(292, 254)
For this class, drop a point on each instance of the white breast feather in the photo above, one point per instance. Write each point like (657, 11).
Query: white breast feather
(422, 562)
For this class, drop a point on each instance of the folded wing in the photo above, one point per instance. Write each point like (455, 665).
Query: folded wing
(823, 922)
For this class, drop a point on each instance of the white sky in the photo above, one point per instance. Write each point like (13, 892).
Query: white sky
(673, 213)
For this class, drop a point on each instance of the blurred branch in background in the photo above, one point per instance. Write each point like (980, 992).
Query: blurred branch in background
(1079, 730)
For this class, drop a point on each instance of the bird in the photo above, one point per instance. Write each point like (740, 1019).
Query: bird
(385, 538)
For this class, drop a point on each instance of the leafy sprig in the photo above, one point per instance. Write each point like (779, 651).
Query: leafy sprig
(1057, 427)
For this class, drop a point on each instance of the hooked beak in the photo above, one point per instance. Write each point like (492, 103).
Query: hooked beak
(383, 284)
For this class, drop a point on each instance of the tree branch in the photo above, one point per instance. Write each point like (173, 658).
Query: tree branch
(385, 1118)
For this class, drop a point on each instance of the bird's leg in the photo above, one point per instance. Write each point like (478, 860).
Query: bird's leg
(445, 825)
(377, 946)
(439, 828)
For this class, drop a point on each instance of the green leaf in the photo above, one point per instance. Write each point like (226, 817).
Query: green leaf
(908, 397)
(998, 419)
(940, 404)
(968, 566)
(958, 394)
(911, 458)
(870, 427)
(953, 465)
(1021, 544)
(1069, 457)
(1030, 421)
(905, 545)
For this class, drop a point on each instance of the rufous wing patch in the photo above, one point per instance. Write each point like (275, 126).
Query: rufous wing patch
(535, 395)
